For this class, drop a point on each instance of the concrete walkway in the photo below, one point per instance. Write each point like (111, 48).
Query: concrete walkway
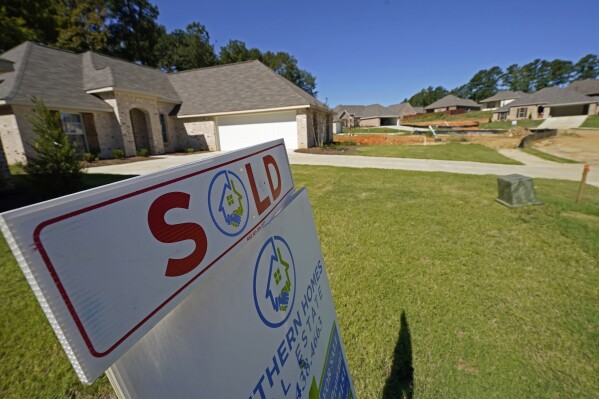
(543, 169)
(535, 167)
(563, 122)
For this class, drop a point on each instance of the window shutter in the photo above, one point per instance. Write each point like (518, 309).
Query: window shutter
(91, 133)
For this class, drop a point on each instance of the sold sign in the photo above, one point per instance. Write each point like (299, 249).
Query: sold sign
(109, 263)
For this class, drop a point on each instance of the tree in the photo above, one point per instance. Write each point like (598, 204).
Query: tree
(482, 85)
(286, 65)
(22, 20)
(82, 25)
(236, 51)
(428, 96)
(586, 68)
(134, 32)
(56, 169)
(187, 49)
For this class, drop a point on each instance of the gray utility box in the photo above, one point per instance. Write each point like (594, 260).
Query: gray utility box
(516, 190)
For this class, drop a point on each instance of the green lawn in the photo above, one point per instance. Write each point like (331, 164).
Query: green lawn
(506, 125)
(371, 130)
(458, 117)
(496, 302)
(592, 121)
(447, 152)
(544, 155)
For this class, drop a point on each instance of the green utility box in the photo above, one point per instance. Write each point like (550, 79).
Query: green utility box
(516, 190)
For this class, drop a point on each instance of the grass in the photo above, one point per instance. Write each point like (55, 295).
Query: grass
(447, 152)
(506, 125)
(544, 155)
(371, 130)
(496, 302)
(592, 121)
(457, 117)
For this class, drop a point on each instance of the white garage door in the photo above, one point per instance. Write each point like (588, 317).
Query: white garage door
(240, 131)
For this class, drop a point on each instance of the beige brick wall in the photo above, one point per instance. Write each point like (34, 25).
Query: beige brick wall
(594, 109)
(373, 122)
(196, 133)
(301, 120)
(14, 147)
(109, 133)
(530, 110)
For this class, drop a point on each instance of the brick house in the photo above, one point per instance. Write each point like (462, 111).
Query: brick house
(107, 103)
(372, 115)
(451, 103)
(548, 102)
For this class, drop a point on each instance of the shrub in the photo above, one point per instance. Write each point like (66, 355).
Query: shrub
(144, 152)
(89, 157)
(117, 153)
(56, 169)
(189, 149)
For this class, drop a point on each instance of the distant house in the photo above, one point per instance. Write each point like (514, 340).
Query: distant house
(372, 115)
(419, 110)
(452, 103)
(107, 103)
(500, 99)
(548, 102)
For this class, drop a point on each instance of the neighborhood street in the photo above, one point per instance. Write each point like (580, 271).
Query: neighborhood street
(534, 167)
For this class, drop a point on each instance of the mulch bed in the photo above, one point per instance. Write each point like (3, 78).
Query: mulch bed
(107, 162)
(383, 139)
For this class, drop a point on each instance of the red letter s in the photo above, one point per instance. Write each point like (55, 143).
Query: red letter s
(171, 233)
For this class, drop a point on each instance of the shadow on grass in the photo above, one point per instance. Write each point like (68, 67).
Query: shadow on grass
(25, 194)
(400, 382)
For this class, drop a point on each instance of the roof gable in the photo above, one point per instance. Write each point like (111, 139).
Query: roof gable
(452, 101)
(589, 87)
(52, 75)
(503, 95)
(244, 86)
(552, 96)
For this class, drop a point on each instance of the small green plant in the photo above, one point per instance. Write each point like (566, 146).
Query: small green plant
(56, 169)
(144, 152)
(189, 150)
(529, 116)
(117, 153)
(89, 157)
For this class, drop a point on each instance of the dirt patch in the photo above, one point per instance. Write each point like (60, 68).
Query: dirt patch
(440, 123)
(382, 139)
(325, 150)
(578, 145)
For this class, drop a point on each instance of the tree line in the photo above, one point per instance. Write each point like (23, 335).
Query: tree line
(534, 76)
(129, 29)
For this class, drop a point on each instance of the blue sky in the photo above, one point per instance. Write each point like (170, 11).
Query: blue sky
(382, 51)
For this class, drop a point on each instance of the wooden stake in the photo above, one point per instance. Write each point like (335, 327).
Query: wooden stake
(585, 172)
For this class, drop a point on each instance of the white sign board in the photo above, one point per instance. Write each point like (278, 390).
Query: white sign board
(108, 264)
(261, 326)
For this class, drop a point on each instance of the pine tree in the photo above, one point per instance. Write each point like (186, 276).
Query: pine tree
(56, 169)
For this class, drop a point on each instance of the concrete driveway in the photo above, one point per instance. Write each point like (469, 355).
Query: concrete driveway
(563, 122)
(535, 167)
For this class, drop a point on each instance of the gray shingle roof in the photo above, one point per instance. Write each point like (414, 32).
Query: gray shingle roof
(53, 75)
(552, 96)
(452, 101)
(503, 95)
(243, 86)
(6, 66)
(103, 71)
(589, 87)
(61, 79)
(375, 110)
(419, 110)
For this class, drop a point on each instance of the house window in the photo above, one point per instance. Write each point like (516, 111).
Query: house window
(163, 128)
(502, 116)
(522, 112)
(72, 125)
